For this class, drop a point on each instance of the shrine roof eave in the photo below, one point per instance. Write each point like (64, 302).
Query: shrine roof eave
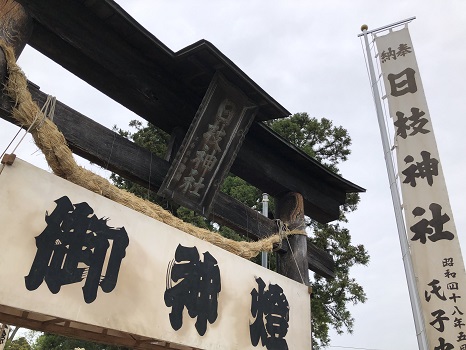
(304, 161)
(204, 53)
(274, 165)
(194, 65)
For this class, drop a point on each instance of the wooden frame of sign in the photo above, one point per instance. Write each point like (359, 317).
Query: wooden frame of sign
(209, 147)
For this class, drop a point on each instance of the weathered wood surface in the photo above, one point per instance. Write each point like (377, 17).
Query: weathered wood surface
(100, 43)
(278, 165)
(62, 327)
(15, 30)
(112, 151)
(15, 25)
(293, 263)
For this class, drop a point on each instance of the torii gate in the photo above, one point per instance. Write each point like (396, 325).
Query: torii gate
(96, 40)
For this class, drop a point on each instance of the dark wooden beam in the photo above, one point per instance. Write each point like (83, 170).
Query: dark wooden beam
(106, 148)
(119, 72)
(320, 261)
(15, 25)
(266, 165)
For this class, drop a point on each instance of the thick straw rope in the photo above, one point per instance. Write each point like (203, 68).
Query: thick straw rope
(60, 159)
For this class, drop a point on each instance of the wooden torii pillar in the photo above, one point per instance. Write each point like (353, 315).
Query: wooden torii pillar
(15, 30)
(293, 263)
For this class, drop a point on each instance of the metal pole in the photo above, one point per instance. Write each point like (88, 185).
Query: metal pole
(409, 271)
(265, 212)
(387, 26)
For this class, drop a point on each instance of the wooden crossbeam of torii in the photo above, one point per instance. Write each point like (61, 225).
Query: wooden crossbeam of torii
(95, 145)
(166, 89)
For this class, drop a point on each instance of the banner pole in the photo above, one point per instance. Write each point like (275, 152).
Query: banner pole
(409, 271)
(388, 26)
(265, 212)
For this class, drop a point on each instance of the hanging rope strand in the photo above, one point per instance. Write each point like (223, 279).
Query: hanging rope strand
(42, 113)
(12, 140)
(295, 261)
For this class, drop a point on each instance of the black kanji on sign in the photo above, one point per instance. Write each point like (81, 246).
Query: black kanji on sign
(74, 237)
(458, 322)
(454, 297)
(439, 320)
(3, 330)
(402, 83)
(457, 311)
(461, 337)
(433, 229)
(403, 50)
(271, 310)
(443, 345)
(415, 123)
(387, 55)
(447, 262)
(426, 169)
(197, 288)
(391, 54)
(435, 289)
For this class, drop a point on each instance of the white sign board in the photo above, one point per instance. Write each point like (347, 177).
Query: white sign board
(74, 255)
(434, 245)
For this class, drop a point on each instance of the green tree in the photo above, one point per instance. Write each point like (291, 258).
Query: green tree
(327, 143)
(18, 344)
(49, 341)
(320, 139)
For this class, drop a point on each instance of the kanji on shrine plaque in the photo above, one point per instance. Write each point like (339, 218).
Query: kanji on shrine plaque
(209, 147)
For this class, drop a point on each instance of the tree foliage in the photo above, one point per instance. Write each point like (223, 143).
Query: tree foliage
(328, 144)
(320, 139)
(18, 344)
(49, 341)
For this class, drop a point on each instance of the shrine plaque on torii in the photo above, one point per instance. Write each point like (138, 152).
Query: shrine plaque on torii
(209, 147)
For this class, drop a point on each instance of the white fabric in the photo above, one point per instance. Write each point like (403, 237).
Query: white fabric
(438, 262)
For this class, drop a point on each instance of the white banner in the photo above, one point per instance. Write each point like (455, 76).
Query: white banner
(434, 245)
(4, 331)
(76, 256)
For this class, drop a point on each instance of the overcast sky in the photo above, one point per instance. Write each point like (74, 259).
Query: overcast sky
(306, 55)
